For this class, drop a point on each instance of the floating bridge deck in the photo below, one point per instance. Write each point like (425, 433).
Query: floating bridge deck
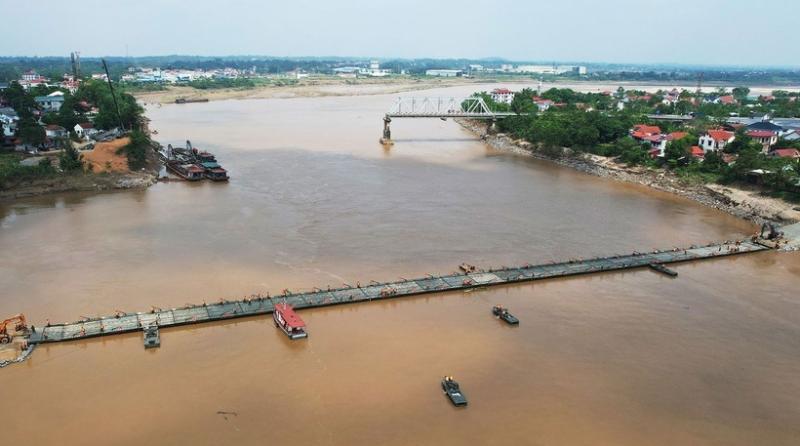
(130, 322)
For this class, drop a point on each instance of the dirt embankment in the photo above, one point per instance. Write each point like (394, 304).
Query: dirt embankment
(108, 156)
(109, 170)
(746, 204)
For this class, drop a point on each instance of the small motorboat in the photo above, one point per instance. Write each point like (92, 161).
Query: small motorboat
(453, 391)
(289, 322)
(152, 339)
(503, 314)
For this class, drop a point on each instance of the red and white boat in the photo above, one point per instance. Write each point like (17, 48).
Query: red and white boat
(288, 321)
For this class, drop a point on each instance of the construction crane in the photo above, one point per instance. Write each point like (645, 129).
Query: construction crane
(21, 325)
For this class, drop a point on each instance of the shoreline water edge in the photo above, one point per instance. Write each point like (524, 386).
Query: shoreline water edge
(741, 203)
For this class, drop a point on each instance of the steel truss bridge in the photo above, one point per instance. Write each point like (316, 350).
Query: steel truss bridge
(439, 107)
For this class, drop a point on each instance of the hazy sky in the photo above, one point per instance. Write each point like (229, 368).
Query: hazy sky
(727, 32)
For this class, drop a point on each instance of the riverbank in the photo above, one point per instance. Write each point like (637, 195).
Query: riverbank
(79, 182)
(107, 170)
(334, 86)
(748, 204)
(306, 88)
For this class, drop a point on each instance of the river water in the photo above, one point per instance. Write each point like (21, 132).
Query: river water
(633, 358)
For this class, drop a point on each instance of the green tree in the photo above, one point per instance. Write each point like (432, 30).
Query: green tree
(70, 159)
(740, 93)
(742, 142)
(677, 149)
(20, 100)
(31, 133)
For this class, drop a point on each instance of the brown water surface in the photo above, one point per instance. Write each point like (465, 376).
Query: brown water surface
(712, 357)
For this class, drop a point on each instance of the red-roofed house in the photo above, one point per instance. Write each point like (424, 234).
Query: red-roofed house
(785, 153)
(726, 100)
(640, 131)
(542, 104)
(715, 140)
(502, 95)
(766, 138)
(697, 152)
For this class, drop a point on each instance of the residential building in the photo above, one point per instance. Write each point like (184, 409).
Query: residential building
(9, 118)
(375, 70)
(85, 129)
(502, 95)
(785, 153)
(766, 138)
(51, 102)
(715, 140)
(55, 131)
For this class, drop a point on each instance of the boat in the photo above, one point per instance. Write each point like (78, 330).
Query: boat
(453, 391)
(503, 314)
(151, 337)
(214, 171)
(663, 269)
(187, 171)
(190, 100)
(287, 320)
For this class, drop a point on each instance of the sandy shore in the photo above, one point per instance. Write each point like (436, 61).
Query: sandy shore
(306, 88)
(743, 203)
(320, 87)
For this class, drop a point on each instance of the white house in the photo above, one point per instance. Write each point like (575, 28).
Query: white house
(502, 95)
(85, 129)
(715, 140)
(51, 102)
(9, 119)
(55, 131)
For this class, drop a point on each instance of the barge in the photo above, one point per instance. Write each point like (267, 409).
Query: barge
(187, 171)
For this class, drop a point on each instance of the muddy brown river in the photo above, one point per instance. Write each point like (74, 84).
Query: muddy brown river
(709, 358)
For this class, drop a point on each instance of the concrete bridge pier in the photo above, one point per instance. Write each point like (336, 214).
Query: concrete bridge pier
(387, 132)
(492, 128)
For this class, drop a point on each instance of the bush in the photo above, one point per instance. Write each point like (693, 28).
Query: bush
(136, 150)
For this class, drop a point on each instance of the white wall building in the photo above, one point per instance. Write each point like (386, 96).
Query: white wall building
(444, 73)
(715, 140)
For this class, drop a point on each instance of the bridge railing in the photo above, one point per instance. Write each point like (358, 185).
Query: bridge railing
(433, 107)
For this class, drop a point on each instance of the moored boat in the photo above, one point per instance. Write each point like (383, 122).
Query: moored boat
(214, 171)
(453, 391)
(187, 171)
(289, 322)
(503, 314)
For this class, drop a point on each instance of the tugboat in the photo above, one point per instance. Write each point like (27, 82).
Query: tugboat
(503, 314)
(287, 320)
(151, 337)
(453, 391)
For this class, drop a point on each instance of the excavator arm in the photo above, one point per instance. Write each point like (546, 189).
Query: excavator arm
(20, 324)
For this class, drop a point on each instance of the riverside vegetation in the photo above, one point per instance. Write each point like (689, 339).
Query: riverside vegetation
(92, 102)
(591, 123)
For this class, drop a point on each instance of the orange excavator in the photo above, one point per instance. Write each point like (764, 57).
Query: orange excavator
(21, 325)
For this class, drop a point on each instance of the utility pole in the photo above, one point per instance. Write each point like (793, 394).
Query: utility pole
(113, 96)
